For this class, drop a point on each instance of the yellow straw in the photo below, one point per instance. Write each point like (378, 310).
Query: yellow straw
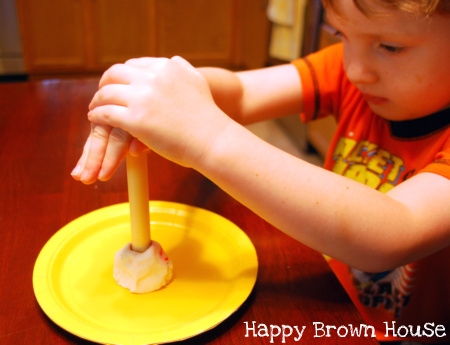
(137, 177)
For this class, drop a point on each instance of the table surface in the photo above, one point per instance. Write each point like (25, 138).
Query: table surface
(43, 127)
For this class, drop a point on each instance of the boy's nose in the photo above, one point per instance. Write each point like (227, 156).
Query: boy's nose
(360, 69)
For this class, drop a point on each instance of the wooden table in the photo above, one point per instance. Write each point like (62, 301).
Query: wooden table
(43, 127)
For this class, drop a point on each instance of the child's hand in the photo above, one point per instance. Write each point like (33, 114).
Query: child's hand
(103, 151)
(152, 103)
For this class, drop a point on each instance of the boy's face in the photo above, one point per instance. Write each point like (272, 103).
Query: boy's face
(399, 61)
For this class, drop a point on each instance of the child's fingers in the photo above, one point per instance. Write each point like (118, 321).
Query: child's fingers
(137, 147)
(111, 115)
(185, 64)
(119, 74)
(95, 153)
(78, 170)
(141, 62)
(116, 94)
(97, 148)
(118, 144)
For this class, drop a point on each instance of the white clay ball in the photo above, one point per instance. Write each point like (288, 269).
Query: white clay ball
(142, 272)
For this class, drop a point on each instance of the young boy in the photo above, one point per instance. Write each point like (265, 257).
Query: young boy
(386, 205)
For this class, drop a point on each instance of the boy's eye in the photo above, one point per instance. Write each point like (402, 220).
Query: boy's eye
(391, 49)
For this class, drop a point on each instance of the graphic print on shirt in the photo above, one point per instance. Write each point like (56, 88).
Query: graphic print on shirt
(367, 163)
(370, 164)
(390, 290)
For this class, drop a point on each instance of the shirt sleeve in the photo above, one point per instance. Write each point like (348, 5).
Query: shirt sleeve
(441, 163)
(321, 74)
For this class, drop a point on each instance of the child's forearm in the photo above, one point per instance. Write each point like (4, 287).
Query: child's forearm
(330, 213)
(256, 95)
(227, 90)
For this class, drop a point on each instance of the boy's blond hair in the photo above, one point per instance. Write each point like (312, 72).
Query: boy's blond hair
(420, 7)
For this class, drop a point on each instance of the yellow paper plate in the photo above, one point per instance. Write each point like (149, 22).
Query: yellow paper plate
(215, 269)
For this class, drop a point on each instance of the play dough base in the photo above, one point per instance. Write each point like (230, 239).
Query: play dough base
(142, 272)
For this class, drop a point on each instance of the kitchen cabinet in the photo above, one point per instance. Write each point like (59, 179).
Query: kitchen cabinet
(53, 35)
(85, 36)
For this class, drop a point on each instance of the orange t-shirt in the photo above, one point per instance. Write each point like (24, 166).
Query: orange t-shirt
(382, 154)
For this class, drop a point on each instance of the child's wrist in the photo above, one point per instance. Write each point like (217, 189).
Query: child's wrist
(223, 148)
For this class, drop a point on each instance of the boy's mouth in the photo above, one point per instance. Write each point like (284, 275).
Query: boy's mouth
(374, 99)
